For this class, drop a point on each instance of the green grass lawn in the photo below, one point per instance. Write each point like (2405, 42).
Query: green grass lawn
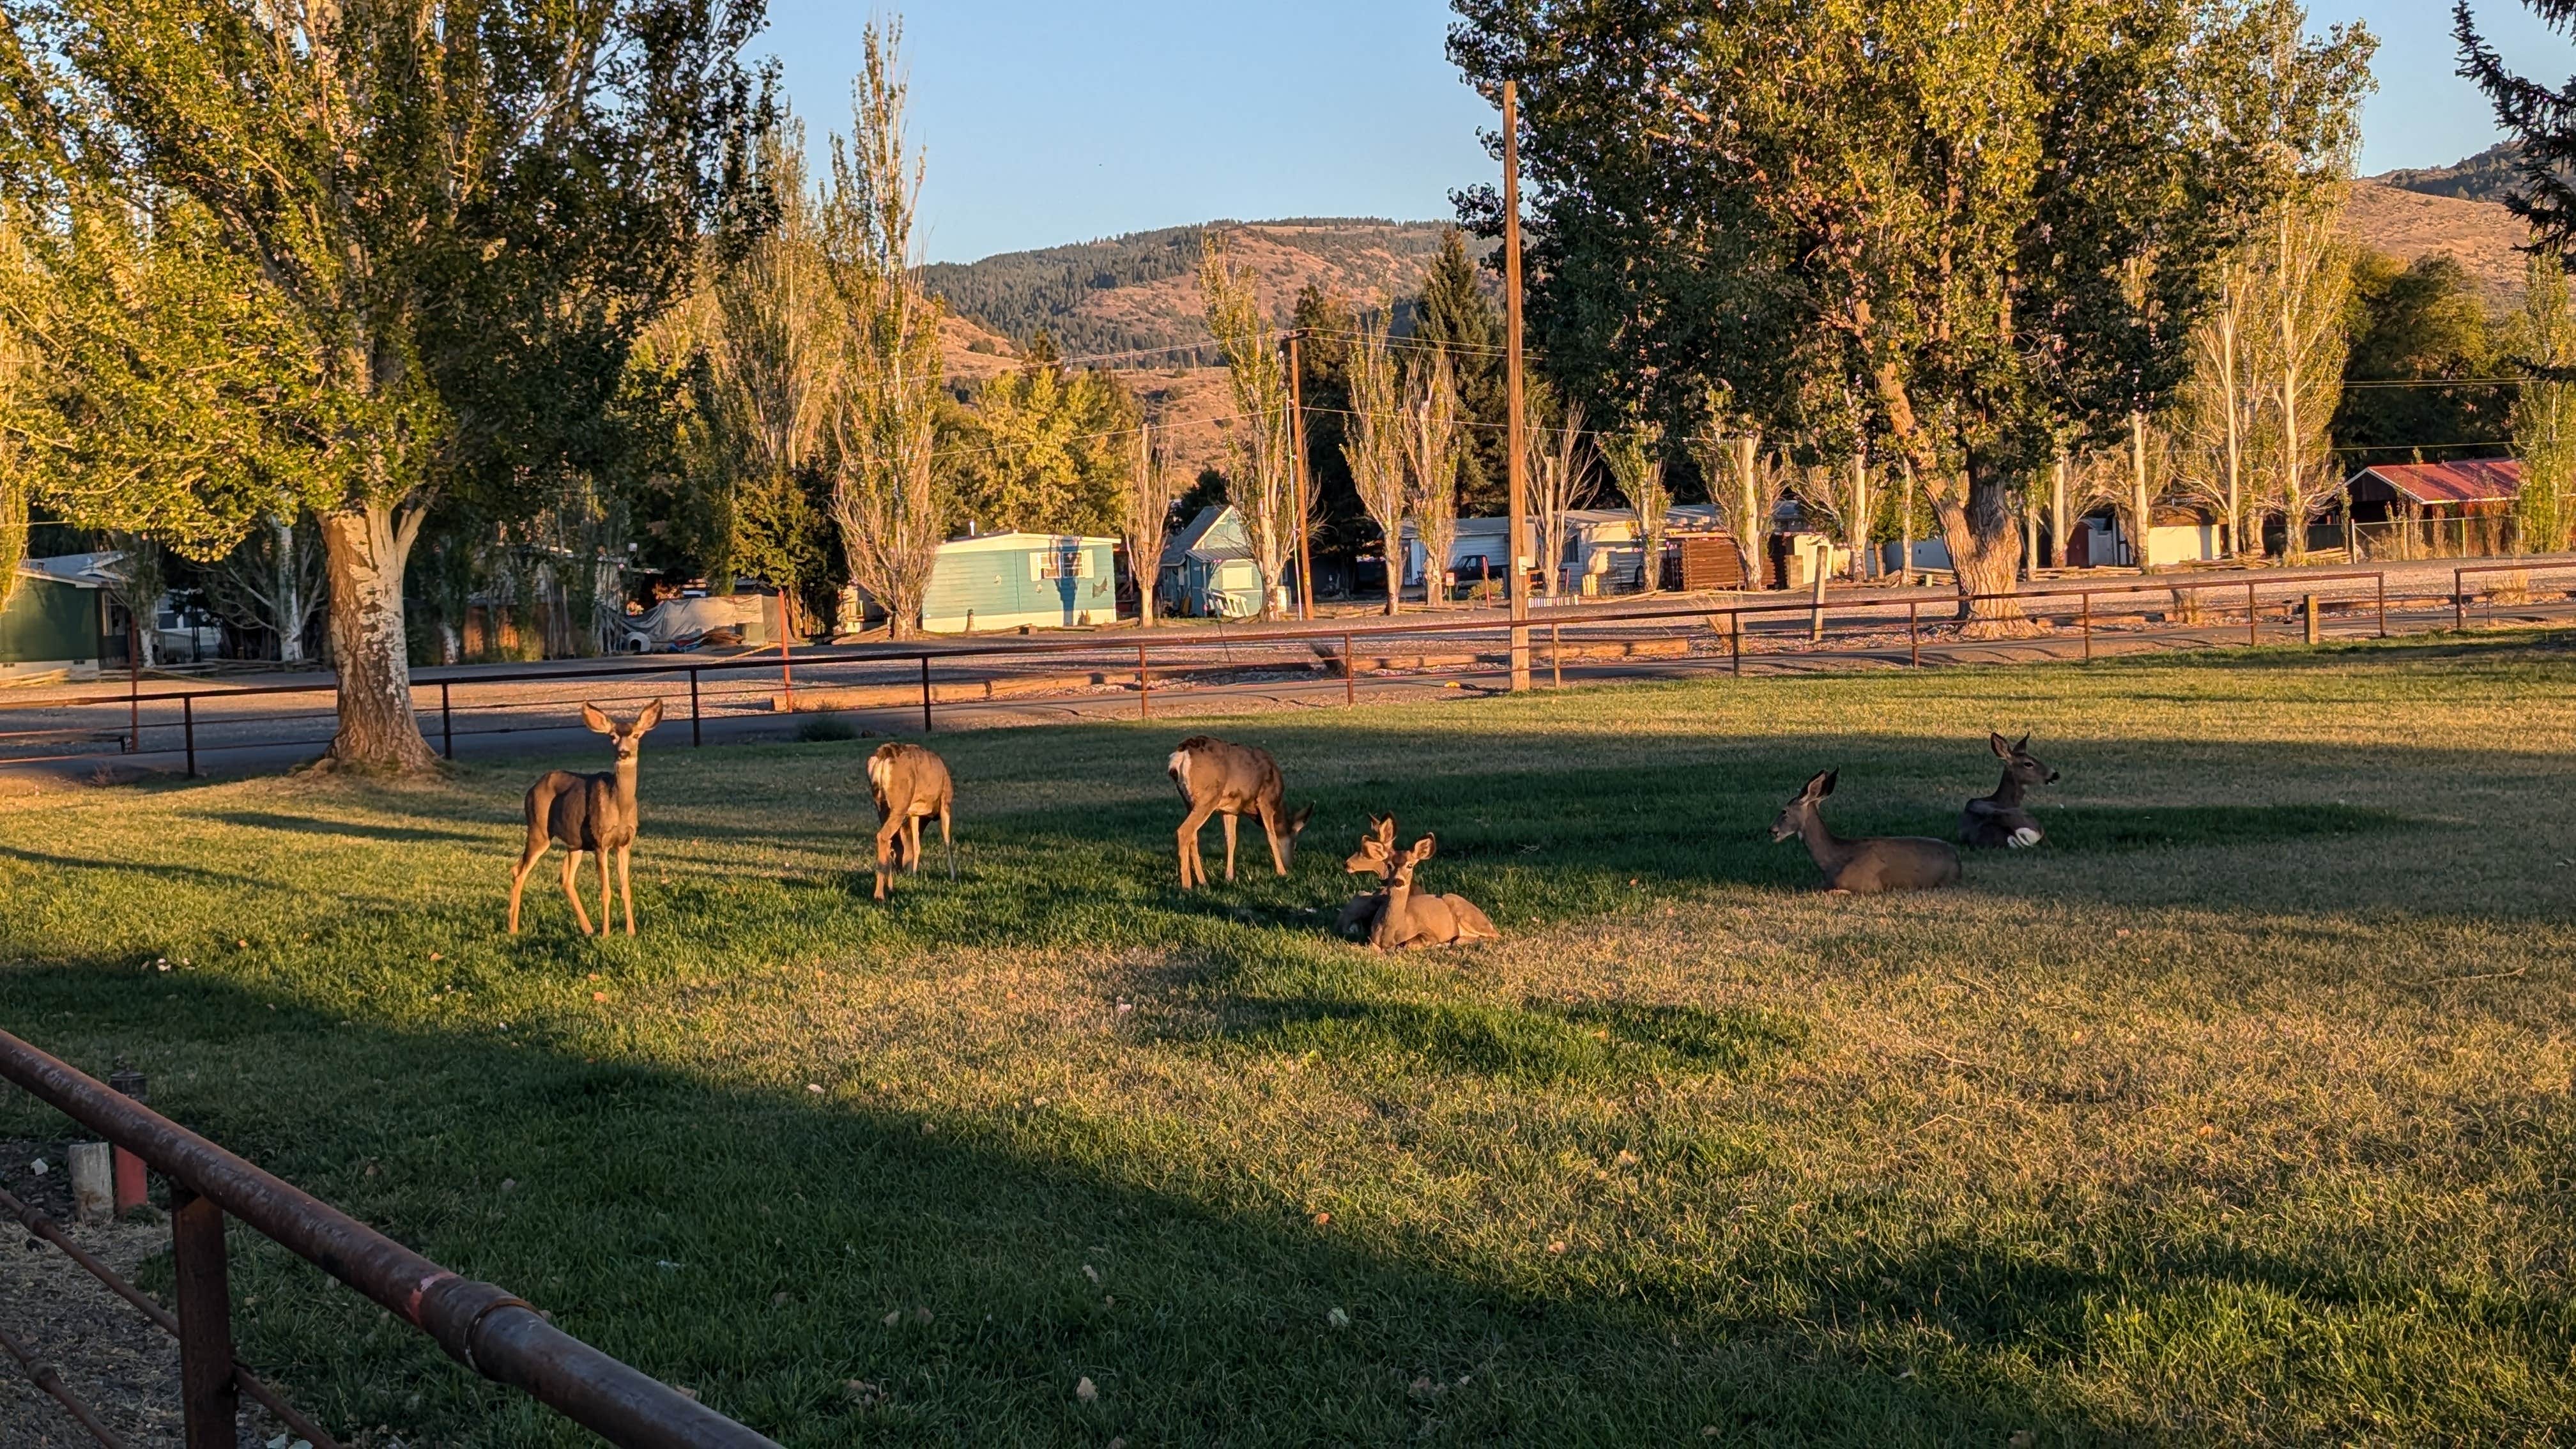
(2240, 1111)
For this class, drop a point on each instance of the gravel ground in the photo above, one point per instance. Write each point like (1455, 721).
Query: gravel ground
(121, 1366)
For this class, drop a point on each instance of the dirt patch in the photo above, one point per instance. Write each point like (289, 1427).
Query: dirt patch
(112, 1358)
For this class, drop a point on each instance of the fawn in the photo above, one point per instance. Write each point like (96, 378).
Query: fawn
(1869, 866)
(593, 813)
(910, 784)
(1999, 819)
(1418, 918)
(1376, 856)
(1218, 778)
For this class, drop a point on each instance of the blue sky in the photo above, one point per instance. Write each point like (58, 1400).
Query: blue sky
(1045, 121)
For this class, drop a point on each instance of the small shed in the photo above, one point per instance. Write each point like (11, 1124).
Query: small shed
(1207, 568)
(2470, 487)
(1014, 580)
(56, 619)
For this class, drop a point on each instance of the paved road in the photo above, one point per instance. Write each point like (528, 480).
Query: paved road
(1199, 670)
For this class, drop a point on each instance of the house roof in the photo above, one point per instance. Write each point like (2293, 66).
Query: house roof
(1021, 542)
(2478, 480)
(1193, 537)
(81, 570)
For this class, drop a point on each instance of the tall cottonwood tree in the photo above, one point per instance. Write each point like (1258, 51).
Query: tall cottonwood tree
(2001, 217)
(2544, 415)
(1373, 445)
(1432, 455)
(886, 492)
(1261, 445)
(1145, 517)
(465, 209)
(1635, 457)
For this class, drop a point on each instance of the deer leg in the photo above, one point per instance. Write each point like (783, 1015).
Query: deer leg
(947, 843)
(572, 864)
(605, 892)
(912, 854)
(1231, 821)
(1193, 869)
(1270, 829)
(626, 887)
(528, 859)
(888, 831)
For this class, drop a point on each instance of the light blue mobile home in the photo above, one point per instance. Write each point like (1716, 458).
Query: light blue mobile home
(1008, 580)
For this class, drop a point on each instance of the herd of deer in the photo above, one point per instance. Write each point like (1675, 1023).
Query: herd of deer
(595, 815)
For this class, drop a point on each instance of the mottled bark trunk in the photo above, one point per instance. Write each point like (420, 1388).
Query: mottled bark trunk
(365, 548)
(289, 591)
(1985, 552)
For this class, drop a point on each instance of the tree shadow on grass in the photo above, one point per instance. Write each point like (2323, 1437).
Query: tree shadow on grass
(843, 1268)
(346, 829)
(836, 1269)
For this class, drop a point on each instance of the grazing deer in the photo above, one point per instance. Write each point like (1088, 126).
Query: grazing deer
(1376, 856)
(1418, 918)
(1864, 867)
(1998, 819)
(910, 785)
(593, 813)
(1217, 778)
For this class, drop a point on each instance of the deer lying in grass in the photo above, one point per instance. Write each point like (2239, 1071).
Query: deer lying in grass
(910, 785)
(1869, 866)
(1418, 918)
(1217, 778)
(1376, 856)
(1999, 819)
(588, 813)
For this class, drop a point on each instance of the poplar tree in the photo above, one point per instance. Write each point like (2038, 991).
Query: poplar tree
(461, 213)
(2000, 217)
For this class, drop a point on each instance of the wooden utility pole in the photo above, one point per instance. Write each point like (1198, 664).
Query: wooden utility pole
(2139, 503)
(1516, 434)
(2057, 530)
(1305, 513)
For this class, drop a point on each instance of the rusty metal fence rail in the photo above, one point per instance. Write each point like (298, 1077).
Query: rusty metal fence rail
(499, 1336)
(191, 725)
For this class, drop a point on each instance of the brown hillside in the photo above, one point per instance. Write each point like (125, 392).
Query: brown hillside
(968, 353)
(2480, 235)
(1282, 259)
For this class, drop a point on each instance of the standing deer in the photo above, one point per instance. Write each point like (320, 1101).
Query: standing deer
(1999, 819)
(1376, 856)
(1864, 867)
(1418, 918)
(910, 785)
(1218, 778)
(593, 813)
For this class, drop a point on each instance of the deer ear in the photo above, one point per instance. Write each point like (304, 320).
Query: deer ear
(591, 716)
(1821, 786)
(2022, 745)
(1298, 821)
(1999, 745)
(651, 716)
(1424, 848)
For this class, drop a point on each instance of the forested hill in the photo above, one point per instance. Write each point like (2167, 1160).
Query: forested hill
(1140, 291)
(2487, 176)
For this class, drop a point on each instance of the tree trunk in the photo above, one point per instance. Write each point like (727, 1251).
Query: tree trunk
(1985, 553)
(365, 548)
(1752, 533)
(289, 596)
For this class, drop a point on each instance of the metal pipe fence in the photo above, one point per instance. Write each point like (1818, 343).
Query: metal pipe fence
(477, 706)
(499, 1336)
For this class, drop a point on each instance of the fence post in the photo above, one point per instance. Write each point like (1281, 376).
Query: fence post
(1144, 685)
(2251, 637)
(2459, 600)
(2383, 603)
(1914, 632)
(2308, 606)
(188, 727)
(446, 721)
(1735, 647)
(1350, 665)
(2088, 625)
(130, 1192)
(208, 1398)
(925, 694)
(1556, 655)
(697, 737)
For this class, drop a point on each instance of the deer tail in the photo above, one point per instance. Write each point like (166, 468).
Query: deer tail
(1178, 767)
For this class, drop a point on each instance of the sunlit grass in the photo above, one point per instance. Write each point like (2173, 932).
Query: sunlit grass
(2239, 1111)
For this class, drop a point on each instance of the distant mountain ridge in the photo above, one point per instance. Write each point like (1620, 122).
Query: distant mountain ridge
(1138, 293)
(2490, 175)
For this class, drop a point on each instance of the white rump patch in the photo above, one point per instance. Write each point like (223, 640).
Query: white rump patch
(2023, 838)
(879, 767)
(1179, 768)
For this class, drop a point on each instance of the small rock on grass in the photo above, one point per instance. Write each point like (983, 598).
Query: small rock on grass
(1086, 1391)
